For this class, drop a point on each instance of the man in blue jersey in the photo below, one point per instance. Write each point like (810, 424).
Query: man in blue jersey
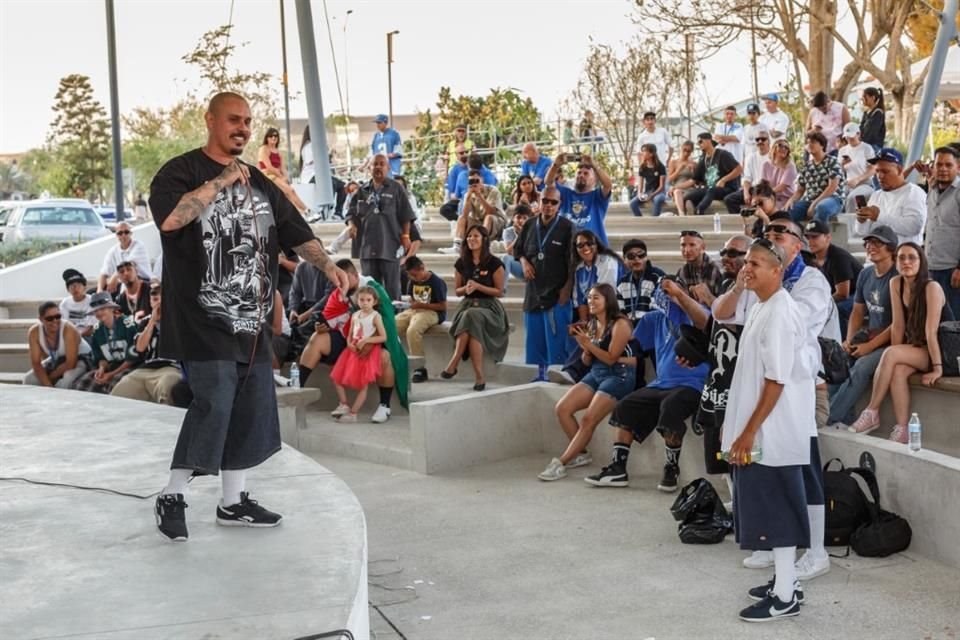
(586, 204)
(387, 141)
(535, 165)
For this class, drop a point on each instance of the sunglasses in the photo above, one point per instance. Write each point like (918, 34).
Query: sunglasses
(583, 245)
(691, 232)
(52, 318)
(761, 139)
(549, 201)
(781, 229)
(769, 246)
(731, 253)
(154, 292)
(635, 255)
(123, 233)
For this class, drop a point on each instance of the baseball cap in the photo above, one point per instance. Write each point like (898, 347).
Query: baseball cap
(705, 135)
(381, 118)
(884, 234)
(753, 107)
(851, 129)
(816, 227)
(770, 96)
(73, 275)
(761, 131)
(887, 154)
(460, 126)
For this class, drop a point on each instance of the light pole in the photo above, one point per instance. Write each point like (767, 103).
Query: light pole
(346, 87)
(688, 50)
(286, 87)
(390, 73)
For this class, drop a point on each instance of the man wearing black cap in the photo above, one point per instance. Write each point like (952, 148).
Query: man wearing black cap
(867, 343)
(635, 288)
(134, 296)
(898, 204)
(76, 306)
(837, 264)
(718, 171)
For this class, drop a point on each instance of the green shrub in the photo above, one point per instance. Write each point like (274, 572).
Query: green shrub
(12, 253)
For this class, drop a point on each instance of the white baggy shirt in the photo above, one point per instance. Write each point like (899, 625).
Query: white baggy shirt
(774, 346)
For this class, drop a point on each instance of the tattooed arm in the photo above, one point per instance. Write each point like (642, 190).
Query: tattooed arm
(192, 204)
(313, 252)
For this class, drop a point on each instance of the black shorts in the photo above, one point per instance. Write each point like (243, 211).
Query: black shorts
(813, 475)
(712, 423)
(665, 410)
(770, 507)
(338, 343)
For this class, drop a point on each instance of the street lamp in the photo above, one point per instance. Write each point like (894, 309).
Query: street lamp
(346, 87)
(390, 72)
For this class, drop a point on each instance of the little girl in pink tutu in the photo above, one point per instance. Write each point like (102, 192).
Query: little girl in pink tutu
(359, 365)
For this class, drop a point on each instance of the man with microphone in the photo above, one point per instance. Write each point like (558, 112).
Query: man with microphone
(222, 226)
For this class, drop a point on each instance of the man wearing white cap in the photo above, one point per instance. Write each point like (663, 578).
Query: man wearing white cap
(752, 170)
(855, 159)
(387, 141)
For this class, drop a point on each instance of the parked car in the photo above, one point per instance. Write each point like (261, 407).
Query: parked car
(108, 213)
(59, 220)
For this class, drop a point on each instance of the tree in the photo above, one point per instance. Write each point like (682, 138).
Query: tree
(79, 137)
(618, 87)
(12, 179)
(923, 24)
(781, 24)
(156, 135)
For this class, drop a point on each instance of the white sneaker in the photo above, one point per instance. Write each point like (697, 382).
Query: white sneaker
(759, 560)
(341, 409)
(810, 566)
(450, 251)
(554, 471)
(667, 214)
(382, 414)
(582, 460)
(280, 381)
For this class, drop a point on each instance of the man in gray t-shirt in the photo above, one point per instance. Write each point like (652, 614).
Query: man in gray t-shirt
(866, 344)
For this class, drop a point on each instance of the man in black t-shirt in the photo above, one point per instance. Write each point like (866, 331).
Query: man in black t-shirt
(428, 307)
(838, 265)
(718, 171)
(223, 224)
(134, 296)
(543, 249)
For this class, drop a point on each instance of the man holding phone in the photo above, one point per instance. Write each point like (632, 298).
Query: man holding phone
(586, 204)
(899, 204)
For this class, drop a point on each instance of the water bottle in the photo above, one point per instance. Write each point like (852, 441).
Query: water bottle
(756, 455)
(624, 195)
(294, 376)
(716, 222)
(914, 427)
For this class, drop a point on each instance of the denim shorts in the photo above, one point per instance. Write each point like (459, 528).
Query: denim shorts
(615, 380)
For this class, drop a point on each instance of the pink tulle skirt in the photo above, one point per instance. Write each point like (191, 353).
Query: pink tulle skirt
(355, 371)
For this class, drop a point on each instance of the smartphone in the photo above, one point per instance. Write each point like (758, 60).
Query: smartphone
(861, 201)
(845, 158)
(572, 329)
(746, 212)
(573, 157)
(474, 181)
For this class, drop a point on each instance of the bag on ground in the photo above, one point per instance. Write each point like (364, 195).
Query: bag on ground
(846, 505)
(699, 510)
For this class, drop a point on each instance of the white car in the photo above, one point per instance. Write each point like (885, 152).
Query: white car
(56, 219)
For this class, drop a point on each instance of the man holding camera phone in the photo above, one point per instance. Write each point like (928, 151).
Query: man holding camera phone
(482, 205)
(586, 204)
(898, 204)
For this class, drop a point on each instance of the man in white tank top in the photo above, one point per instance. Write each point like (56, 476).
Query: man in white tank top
(56, 350)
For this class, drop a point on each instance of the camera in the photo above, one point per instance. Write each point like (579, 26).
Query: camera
(746, 212)
(473, 181)
(573, 157)
(861, 201)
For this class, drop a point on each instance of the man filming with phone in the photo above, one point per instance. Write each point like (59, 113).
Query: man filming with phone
(586, 204)
(898, 204)
(482, 205)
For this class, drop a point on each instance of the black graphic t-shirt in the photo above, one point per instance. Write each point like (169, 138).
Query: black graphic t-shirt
(547, 248)
(432, 291)
(724, 346)
(220, 270)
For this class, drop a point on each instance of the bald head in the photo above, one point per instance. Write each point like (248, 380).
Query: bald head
(219, 101)
(530, 153)
(228, 126)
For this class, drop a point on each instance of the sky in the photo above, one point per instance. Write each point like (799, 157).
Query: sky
(536, 46)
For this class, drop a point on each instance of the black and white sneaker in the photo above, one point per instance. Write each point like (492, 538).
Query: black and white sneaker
(668, 483)
(761, 592)
(170, 517)
(419, 375)
(771, 608)
(247, 513)
(612, 475)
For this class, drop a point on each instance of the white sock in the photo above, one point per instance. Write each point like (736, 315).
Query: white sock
(786, 572)
(729, 479)
(178, 482)
(817, 513)
(233, 484)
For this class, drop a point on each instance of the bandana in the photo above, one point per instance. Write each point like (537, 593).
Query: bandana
(792, 273)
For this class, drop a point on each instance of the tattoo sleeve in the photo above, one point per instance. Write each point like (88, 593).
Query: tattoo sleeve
(192, 204)
(313, 252)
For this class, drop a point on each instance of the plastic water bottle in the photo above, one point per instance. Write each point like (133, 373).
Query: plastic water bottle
(756, 455)
(914, 427)
(624, 195)
(294, 376)
(716, 222)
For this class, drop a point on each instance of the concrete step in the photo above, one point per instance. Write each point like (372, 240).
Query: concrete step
(11, 378)
(14, 358)
(15, 330)
(387, 443)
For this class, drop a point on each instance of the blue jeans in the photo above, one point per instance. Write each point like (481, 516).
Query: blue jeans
(513, 267)
(843, 397)
(953, 295)
(828, 208)
(844, 309)
(636, 204)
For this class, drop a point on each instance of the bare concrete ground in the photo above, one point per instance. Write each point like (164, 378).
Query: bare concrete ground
(492, 553)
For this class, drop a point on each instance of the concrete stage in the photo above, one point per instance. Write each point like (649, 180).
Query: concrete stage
(88, 564)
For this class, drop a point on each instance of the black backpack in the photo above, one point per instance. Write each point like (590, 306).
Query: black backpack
(702, 516)
(846, 505)
(884, 533)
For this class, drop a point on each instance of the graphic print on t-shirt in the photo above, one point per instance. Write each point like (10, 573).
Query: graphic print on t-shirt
(237, 286)
(421, 292)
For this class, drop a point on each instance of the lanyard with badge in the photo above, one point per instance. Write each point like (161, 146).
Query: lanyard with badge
(542, 243)
(375, 200)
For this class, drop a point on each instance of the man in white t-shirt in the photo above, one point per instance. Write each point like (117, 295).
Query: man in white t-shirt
(752, 171)
(657, 136)
(777, 121)
(126, 250)
(751, 130)
(855, 159)
(900, 205)
(729, 134)
(76, 306)
(767, 431)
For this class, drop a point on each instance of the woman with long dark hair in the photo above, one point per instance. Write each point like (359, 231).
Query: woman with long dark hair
(526, 193)
(605, 341)
(593, 263)
(652, 185)
(918, 307)
(272, 164)
(873, 124)
(480, 323)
